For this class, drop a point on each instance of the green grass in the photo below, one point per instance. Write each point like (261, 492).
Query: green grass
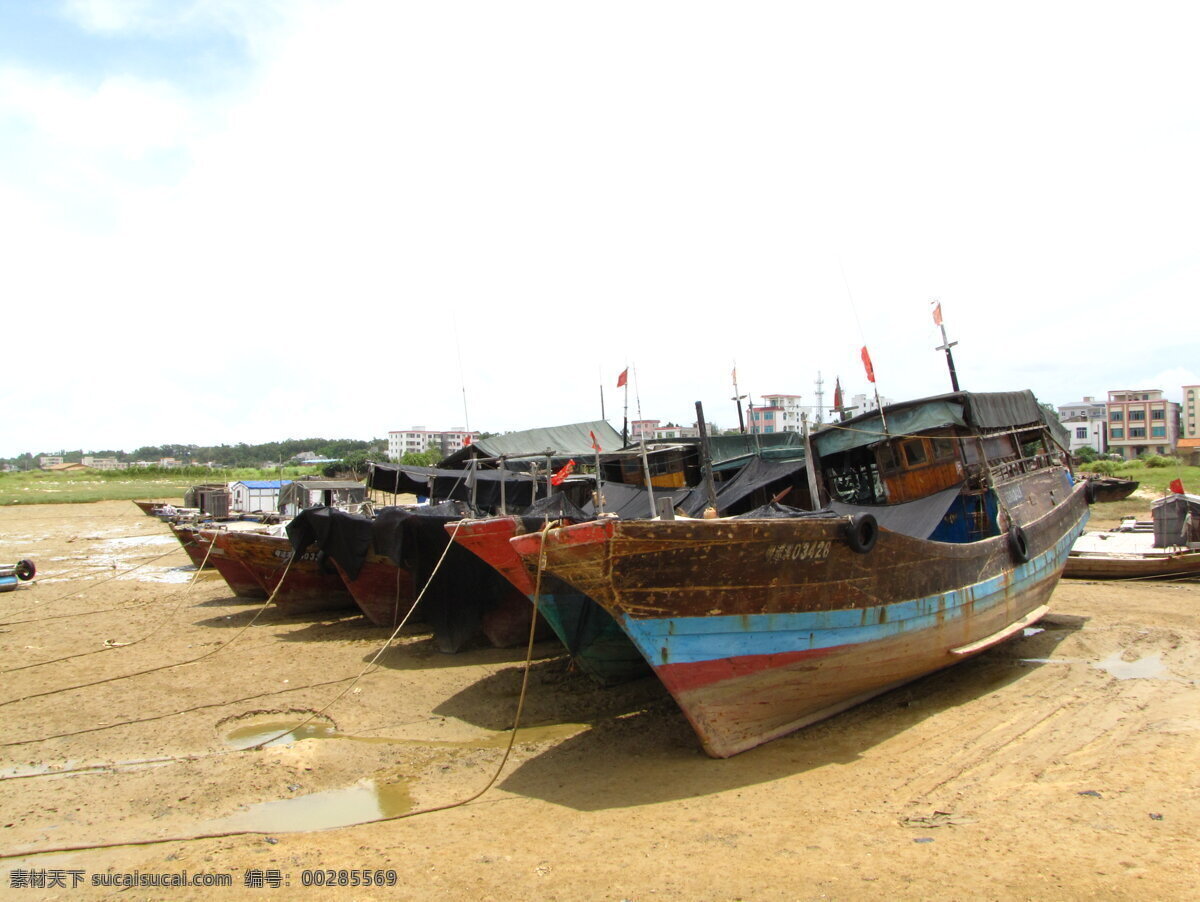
(1151, 480)
(81, 486)
(1157, 479)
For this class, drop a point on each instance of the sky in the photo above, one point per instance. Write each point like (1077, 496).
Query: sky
(231, 221)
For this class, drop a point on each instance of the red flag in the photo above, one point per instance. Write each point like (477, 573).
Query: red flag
(559, 477)
(866, 358)
(467, 441)
(1177, 487)
(937, 313)
(837, 395)
(595, 444)
(621, 379)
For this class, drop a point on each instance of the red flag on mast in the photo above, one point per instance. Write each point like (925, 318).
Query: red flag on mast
(595, 444)
(937, 313)
(621, 379)
(837, 395)
(866, 359)
(559, 477)
(1176, 486)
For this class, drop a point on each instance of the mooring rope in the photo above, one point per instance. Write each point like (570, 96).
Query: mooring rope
(207, 654)
(86, 588)
(395, 817)
(170, 614)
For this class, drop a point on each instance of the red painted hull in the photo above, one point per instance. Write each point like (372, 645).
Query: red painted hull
(306, 588)
(195, 546)
(240, 580)
(383, 591)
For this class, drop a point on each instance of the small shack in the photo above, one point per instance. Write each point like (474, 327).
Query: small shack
(306, 493)
(211, 499)
(257, 494)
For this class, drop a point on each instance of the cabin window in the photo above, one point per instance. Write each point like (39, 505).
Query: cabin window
(914, 452)
(943, 449)
(999, 447)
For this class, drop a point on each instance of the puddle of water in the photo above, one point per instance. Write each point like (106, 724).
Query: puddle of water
(364, 801)
(1147, 668)
(251, 734)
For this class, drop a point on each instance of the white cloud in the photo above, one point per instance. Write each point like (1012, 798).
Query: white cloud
(559, 191)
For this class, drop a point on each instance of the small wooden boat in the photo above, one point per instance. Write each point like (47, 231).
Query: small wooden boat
(311, 584)
(148, 507)
(943, 529)
(1165, 547)
(1103, 489)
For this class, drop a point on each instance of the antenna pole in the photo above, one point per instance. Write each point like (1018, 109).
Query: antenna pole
(946, 345)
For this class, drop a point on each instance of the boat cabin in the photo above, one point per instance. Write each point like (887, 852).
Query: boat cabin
(976, 442)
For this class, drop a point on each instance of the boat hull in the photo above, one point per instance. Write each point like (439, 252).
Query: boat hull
(1184, 565)
(307, 589)
(194, 544)
(383, 591)
(236, 575)
(597, 644)
(760, 627)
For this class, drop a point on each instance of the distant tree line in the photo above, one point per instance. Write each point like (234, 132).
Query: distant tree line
(228, 456)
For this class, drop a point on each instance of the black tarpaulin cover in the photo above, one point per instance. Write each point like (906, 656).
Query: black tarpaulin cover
(460, 485)
(340, 535)
(463, 587)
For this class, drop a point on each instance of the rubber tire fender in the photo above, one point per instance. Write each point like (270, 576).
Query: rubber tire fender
(1017, 546)
(25, 569)
(861, 532)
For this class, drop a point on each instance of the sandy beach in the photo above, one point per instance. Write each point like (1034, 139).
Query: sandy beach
(1060, 765)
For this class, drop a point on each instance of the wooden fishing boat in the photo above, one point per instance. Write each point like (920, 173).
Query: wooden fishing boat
(597, 645)
(238, 577)
(148, 507)
(385, 560)
(1104, 489)
(311, 584)
(945, 528)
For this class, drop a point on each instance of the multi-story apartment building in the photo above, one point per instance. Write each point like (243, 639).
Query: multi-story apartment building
(1141, 422)
(777, 413)
(1087, 423)
(1188, 445)
(49, 460)
(418, 439)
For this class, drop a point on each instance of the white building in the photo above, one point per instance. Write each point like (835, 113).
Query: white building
(1088, 408)
(103, 463)
(256, 494)
(419, 439)
(861, 403)
(1087, 432)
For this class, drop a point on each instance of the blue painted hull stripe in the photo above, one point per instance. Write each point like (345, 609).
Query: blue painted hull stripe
(698, 639)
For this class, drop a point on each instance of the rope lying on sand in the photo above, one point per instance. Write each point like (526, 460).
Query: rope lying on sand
(395, 817)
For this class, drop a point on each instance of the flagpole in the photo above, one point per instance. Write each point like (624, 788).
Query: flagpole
(946, 344)
(738, 399)
(637, 391)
